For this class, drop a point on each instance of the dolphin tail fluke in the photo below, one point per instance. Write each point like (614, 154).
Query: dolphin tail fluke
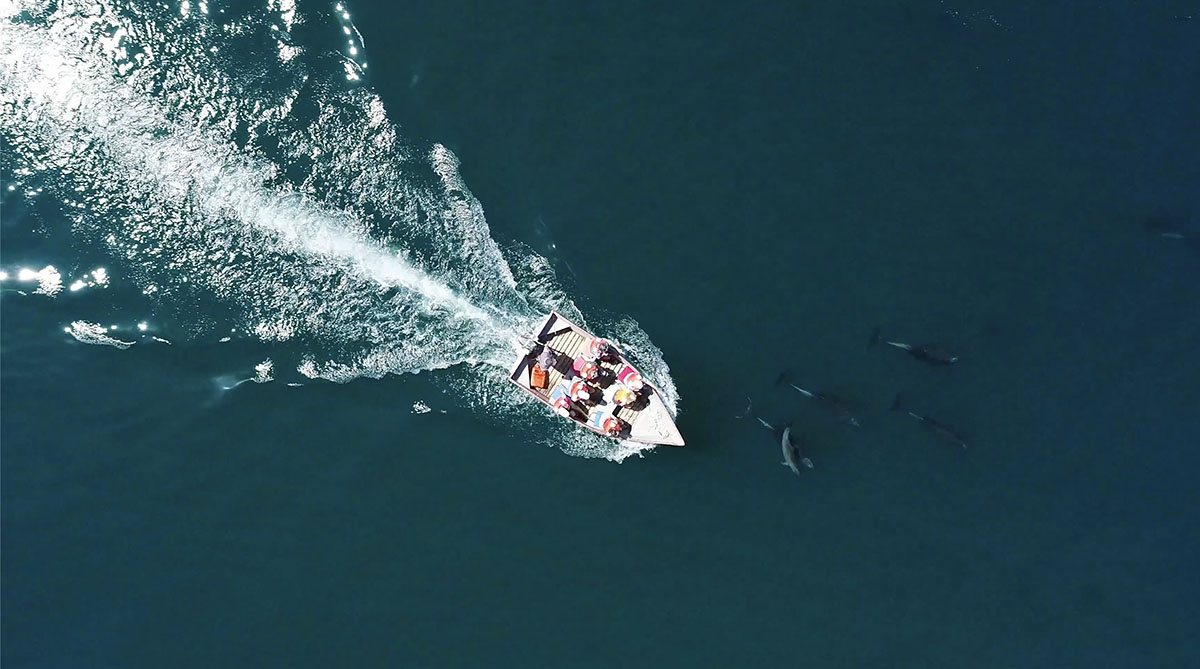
(876, 335)
(782, 378)
(895, 403)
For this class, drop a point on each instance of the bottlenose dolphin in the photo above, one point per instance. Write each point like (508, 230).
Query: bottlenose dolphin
(793, 456)
(749, 406)
(937, 427)
(1169, 228)
(748, 413)
(1194, 240)
(839, 407)
(930, 353)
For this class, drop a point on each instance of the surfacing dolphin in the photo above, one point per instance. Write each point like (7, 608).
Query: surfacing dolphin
(942, 430)
(793, 456)
(749, 406)
(930, 353)
(839, 407)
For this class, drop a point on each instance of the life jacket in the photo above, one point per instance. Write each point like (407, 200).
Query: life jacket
(538, 378)
(612, 426)
(585, 368)
(630, 378)
(589, 370)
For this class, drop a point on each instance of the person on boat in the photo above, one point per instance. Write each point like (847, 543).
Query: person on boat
(560, 400)
(624, 397)
(607, 424)
(597, 347)
(630, 378)
(580, 392)
(585, 369)
(612, 426)
(562, 406)
(546, 359)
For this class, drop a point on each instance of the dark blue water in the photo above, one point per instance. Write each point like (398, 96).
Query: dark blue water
(746, 190)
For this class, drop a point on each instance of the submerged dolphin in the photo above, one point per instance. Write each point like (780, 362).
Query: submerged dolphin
(1168, 228)
(839, 407)
(942, 430)
(930, 353)
(793, 456)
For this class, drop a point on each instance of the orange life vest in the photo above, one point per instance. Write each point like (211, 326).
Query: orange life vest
(537, 377)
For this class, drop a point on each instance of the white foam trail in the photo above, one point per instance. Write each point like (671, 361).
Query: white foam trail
(143, 153)
(58, 88)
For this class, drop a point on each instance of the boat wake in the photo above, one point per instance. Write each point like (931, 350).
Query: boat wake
(248, 184)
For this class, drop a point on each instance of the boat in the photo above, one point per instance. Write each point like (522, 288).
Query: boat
(591, 383)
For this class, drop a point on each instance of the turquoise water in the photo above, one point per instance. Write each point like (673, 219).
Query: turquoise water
(308, 455)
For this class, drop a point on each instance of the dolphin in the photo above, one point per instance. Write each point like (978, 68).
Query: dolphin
(1169, 228)
(793, 455)
(942, 430)
(749, 412)
(764, 423)
(749, 406)
(839, 407)
(1193, 240)
(930, 353)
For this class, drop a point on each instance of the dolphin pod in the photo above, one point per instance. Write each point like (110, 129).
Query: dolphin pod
(793, 452)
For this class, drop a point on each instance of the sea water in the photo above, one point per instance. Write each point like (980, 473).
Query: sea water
(265, 266)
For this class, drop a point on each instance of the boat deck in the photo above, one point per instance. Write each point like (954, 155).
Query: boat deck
(648, 418)
(570, 345)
